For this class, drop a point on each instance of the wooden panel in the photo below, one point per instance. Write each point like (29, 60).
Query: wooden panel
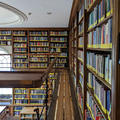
(116, 66)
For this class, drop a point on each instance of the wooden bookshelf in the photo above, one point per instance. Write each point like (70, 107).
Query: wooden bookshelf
(28, 41)
(82, 14)
(31, 97)
(5, 38)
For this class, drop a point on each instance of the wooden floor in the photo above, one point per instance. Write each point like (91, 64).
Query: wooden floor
(64, 106)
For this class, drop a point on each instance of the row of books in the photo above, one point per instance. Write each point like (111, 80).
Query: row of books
(16, 113)
(38, 56)
(58, 45)
(21, 91)
(20, 60)
(20, 50)
(5, 32)
(38, 33)
(39, 44)
(18, 108)
(81, 12)
(80, 68)
(22, 45)
(81, 82)
(36, 59)
(62, 54)
(5, 96)
(38, 96)
(100, 64)
(38, 38)
(93, 112)
(55, 49)
(38, 65)
(93, 17)
(20, 56)
(22, 33)
(80, 42)
(53, 75)
(20, 65)
(101, 37)
(38, 91)
(99, 13)
(22, 96)
(80, 98)
(81, 55)
(21, 101)
(33, 49)
(62, 60)
(37, 101)
(81, 27)
(5, 38)
(20, 39)
(62, 33)
(102, 95)
(5, 43)
(34, 33)
(58, 39)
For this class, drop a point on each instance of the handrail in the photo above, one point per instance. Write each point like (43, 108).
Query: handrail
(38, 83)
(44, 78)
(3, 113)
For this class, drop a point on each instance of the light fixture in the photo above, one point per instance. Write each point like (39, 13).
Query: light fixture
(10, 15)
(49, 13)
(29, 13)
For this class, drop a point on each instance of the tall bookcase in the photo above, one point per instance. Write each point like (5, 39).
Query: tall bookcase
(91, 64)
(20, 49)
(31, 47)
(5, 37)
(28, 96)
(31, 97)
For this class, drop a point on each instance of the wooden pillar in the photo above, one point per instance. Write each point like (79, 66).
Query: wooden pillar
(116, 65)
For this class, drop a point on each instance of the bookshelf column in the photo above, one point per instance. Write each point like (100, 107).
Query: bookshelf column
(84, 64)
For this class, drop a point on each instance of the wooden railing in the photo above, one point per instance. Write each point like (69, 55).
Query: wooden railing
(4, 113)
(38, 83)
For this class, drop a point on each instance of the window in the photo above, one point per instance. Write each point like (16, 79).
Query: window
(5, 60)
(5, 65)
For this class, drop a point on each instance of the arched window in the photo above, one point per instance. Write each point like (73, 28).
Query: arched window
(5, 60)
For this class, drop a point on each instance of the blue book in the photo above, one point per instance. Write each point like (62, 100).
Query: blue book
(108, 100)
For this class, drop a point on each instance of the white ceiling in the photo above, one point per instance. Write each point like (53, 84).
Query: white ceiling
(60, 12)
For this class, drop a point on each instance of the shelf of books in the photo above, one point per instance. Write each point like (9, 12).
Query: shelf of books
(59, 44)
(94, 58)
(5, 37)
(99, 61)
(20, 50)
(28, 96)
(31, 47)
(38, 43)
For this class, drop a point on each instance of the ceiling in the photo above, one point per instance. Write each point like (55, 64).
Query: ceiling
(60, 10)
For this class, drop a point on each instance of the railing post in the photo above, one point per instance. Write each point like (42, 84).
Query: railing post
(46, 97)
